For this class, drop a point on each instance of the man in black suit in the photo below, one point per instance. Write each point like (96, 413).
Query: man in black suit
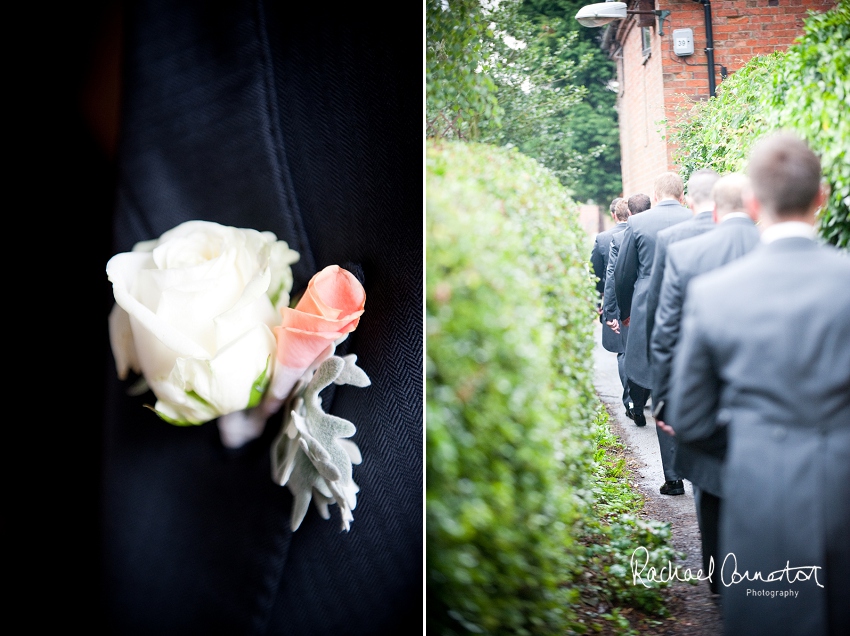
(306, 123)
(636, 204)
(611, 340)
(699, 462)
(631, 283)
(765, 353)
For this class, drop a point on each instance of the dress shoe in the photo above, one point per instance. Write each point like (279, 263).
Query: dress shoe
(639, 417)
(673, 488)
(630, 413)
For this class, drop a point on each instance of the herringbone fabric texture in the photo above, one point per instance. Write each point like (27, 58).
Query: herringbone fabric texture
(245, 114)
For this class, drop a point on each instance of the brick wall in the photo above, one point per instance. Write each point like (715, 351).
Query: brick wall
(591, 219)
(641, 110)
(662, 86)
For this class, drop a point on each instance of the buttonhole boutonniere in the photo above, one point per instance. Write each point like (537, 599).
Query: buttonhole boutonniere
(202, 315)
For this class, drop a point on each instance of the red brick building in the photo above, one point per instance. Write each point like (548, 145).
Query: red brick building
(656, 84)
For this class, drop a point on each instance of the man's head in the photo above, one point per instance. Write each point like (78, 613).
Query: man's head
(699, 189)
(728, 194)
(668, 185)
(639, 203)
(613, 207)
(621, 212)
(785, 179)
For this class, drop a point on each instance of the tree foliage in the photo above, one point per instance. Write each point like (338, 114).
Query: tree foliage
(460, 93)
(525, 74)
(580, 143)
(806, 90)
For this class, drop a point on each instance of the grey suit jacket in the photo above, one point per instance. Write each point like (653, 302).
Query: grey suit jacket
(610, 311)
(631, 280)
(599, 254)
(599, 259)
(765, 352)
(696, 225)
(700, 461)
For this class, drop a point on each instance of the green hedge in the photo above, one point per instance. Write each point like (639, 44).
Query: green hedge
(510, 399)
(806, 90)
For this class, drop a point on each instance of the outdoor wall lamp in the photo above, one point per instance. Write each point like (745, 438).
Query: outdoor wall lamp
(601, 13)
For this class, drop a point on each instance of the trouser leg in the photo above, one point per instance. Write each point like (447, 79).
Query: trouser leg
(667, 447)
(638, 394)
(708, 518)
(623, 379)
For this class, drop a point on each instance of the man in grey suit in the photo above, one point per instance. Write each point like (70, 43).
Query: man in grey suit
(611, 340)
(701, 202)
(700, 462)
(599, 253)
(636, 204)
(765, 353)
(631, 283)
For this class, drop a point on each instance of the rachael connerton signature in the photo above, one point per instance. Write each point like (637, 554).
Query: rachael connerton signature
(640, 561)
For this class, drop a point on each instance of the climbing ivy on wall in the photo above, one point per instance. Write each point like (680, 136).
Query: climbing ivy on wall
(806, 90)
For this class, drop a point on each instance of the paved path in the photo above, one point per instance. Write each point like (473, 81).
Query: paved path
(694, 611)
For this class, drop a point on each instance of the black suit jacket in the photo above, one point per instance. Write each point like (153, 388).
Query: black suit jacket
(612, 341)
(253, 115)
(599, 254)
(599, 259)
(610, 311)
(631, 280)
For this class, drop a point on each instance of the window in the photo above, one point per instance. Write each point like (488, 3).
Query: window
(646, 39)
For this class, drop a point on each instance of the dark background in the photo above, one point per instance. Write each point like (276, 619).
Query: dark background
(71, 87)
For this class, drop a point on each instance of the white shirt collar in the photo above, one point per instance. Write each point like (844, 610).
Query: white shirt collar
(788, 229)
(734, 215)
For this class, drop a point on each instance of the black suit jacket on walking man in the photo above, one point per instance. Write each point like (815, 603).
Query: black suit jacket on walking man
(611, 340)
(599, 261)
(610, 311)
(631, 279)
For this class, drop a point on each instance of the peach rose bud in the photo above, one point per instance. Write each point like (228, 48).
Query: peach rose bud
(329, 309)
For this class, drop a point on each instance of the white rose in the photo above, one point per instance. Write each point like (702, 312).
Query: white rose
(194, 315)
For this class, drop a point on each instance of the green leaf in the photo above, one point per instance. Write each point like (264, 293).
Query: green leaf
(804, 90)
(198, 398)
(171, 420)
(258, 388)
